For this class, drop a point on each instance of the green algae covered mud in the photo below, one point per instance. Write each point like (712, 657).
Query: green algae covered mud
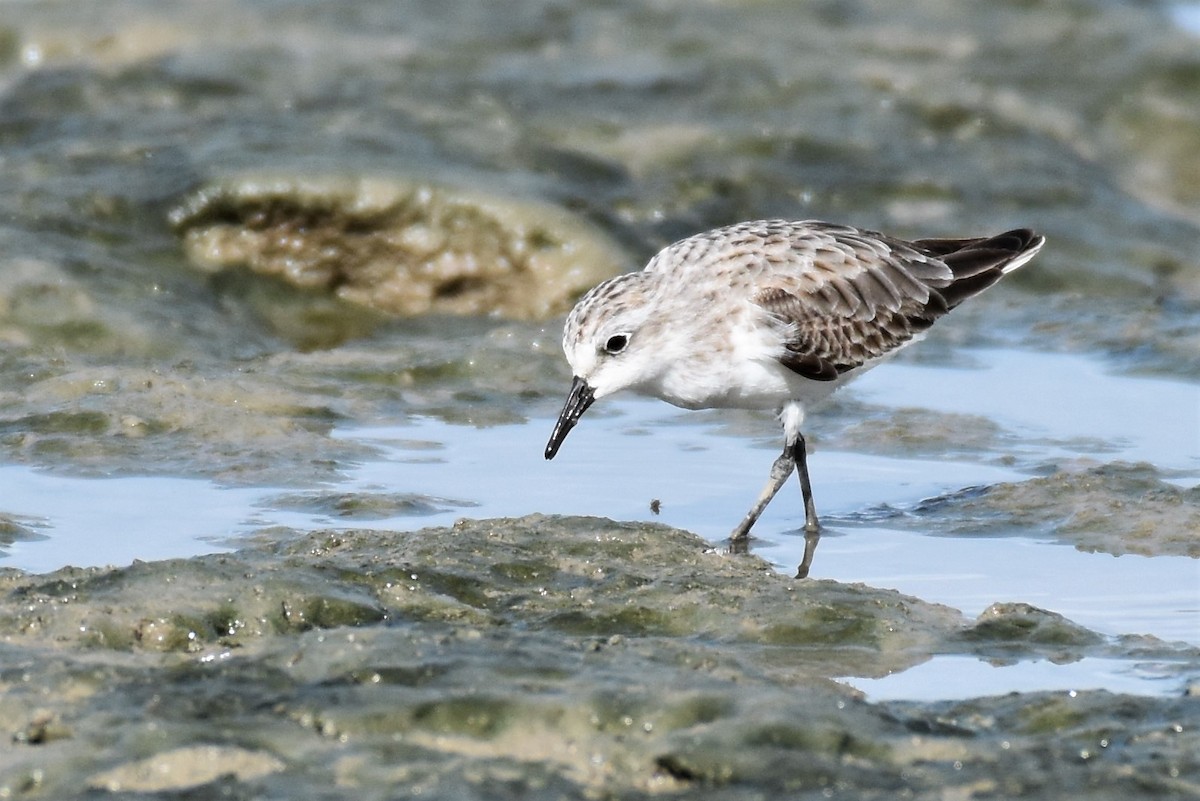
(400, 247)
(553, 657)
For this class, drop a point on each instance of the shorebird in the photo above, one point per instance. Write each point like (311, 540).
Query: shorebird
(770, 314)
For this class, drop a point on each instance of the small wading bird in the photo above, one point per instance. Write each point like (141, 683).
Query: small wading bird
(770, 315)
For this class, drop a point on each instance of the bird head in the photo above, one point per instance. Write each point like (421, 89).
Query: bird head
(602, 344)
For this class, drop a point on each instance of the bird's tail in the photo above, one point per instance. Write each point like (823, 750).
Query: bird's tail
(979, 263)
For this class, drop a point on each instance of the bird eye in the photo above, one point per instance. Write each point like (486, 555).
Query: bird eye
(616, 343)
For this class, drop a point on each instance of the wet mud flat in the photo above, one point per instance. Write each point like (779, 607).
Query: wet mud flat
(541, 657)
(217, 221)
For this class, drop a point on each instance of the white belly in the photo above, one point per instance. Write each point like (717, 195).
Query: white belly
(746, 385)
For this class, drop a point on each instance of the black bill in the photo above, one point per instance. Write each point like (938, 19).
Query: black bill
(578, 400)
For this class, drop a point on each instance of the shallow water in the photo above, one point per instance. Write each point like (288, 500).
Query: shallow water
(1187, 16)
(628, 452)
(959, 677)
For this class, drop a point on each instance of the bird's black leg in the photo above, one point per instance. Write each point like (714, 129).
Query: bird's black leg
(812, 528)
(780, 470)
(800, 458)
(794, 457)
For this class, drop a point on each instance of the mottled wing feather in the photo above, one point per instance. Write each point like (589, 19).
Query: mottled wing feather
(822, 346)
(857, 296)
(843, 296)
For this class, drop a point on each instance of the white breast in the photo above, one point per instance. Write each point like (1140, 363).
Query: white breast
(739, 369)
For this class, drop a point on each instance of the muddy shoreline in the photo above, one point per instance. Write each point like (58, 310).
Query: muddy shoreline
(540, 657)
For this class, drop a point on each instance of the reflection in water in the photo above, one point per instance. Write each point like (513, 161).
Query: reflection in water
(811, 538)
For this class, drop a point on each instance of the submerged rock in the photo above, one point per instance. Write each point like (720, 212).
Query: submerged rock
(1022, 629)
(400, 246)
(1116, 508)
(184, 768)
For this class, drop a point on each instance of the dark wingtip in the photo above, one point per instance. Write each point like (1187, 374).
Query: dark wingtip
(979, 263)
